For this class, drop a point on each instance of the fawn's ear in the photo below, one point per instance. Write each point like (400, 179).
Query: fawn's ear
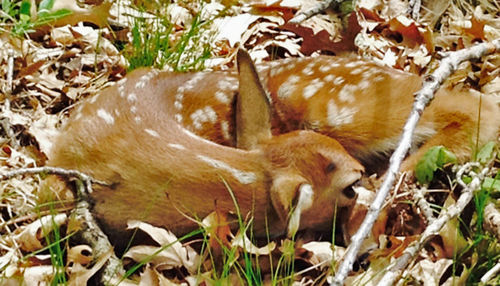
(253, 110)
(290, 196)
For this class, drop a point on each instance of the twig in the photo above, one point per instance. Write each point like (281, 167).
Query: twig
(320, 7)
(432, 83)
(492, 219)
(424, 205)
(90, 233)
(10, 72)
(87, 180)
(414, 9)
(491, 273)
(402, 262)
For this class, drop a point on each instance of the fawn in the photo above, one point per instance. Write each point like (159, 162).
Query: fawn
(357, 102)
(155, 170)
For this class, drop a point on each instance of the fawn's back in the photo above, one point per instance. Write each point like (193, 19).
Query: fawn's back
(359, 103)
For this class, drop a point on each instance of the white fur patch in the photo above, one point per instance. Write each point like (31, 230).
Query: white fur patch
(177, 146)
(347, 93)
(94, 98)
(329, 78)
(178, 118)
(227, 84)
(108, 118)
(338, 117)
(242, 176)
(152, 132)
(201, 116)
(133, 109)
(222, 97)
(132, 97)
(338, 80)
(224, 126)
(313, 87)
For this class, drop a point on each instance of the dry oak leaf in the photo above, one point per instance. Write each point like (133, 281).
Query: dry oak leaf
(79, 274)
(321, 41)
(476, 29)
(31, 236)
(175, 255)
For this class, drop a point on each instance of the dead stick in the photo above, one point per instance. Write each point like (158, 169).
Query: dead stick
(432, 83)
(397, 267)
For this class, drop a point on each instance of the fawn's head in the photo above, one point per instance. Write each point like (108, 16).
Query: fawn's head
(311, 173)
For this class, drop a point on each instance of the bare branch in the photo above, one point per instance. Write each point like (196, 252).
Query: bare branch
(414, 9)
(424, 205)
(432, 83)
(320, 7)
(90, 233)
(87, 180)
(491, 273)
(433, 229)
(492, 219)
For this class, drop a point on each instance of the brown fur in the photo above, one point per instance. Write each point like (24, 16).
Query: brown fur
(152, 178)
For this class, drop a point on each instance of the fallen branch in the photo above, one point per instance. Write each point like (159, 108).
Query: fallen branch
(414, 9)
(423, 205)
(431, 84)
(87, 180)
(400, 264)
(492, 219)
(320, 7)
(491, 273)
(90, 233)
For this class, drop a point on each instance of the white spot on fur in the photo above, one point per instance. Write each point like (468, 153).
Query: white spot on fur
(227, 84)
(353, 64)
(132, 97)
(242, 176)
(357, 71)
(137, 119)
(152, 132)
(338, 117)
(347, 93)
(222, 97)
(288, 87)
(117, 112)
(121, 87)
(364, 84)
(178, 118)
(308, 70)
(224, 126)
(313, 87)
(325, 68)
(108, 118)
(176, 146)
(94, 98)
(201, 116)
(329, 78)
(379, 78)
(178, 105)
(339, 80)
(133, 109)
(191, 83)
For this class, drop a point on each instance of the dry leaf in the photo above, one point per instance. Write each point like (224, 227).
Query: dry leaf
(242, 241)
(79, 275)
(97, 15)
(175, 255)
(32, 236)
(44, 129)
